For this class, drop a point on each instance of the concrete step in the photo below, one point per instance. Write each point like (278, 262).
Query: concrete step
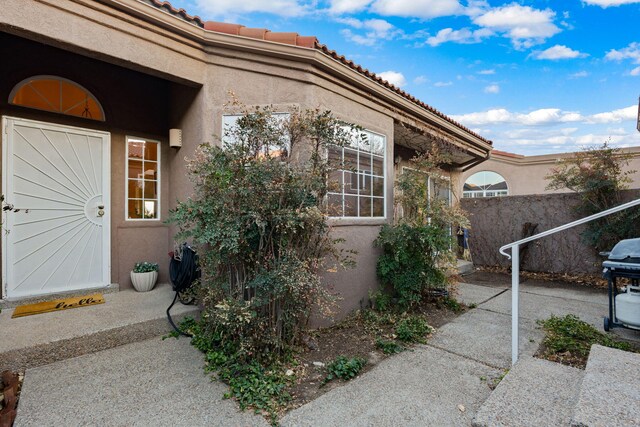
(125, 317)
(535, 392)
(610, 392)
(464, 267)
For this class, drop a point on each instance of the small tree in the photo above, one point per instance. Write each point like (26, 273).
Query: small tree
(257, 216)
(598, 175)
(417, 248)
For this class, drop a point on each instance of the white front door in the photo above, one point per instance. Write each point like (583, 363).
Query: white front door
(57, 178)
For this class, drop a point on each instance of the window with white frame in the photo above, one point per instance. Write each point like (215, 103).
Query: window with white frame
(438, 188)
(230, 121)
(357, 181)
(485, 184)
(143, 179)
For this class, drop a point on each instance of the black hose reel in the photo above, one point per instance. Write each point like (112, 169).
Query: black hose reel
(183, 272)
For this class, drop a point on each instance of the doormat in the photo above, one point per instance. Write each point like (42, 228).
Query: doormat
(59, 304)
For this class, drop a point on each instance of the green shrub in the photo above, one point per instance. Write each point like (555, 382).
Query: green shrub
(572, 335)
(145, 267)
(598, 175)
(408, 261)
(380, 301)
(344, 368)
(416, 250)
(413, 329)
(389, 347)
(568, 340)
(257, 218)
(453, 304)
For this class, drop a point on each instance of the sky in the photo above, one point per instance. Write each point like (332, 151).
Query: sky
(535, 77)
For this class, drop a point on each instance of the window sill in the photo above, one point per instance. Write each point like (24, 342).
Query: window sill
(343, 222)
(142, 223)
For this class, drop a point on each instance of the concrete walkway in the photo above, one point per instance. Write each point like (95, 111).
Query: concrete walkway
(443, 383)
(125, 317)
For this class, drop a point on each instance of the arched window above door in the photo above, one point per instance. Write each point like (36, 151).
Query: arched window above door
(56, 94)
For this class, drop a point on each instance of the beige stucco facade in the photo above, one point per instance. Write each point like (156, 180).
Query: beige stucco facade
(153, 71)
(526, 174)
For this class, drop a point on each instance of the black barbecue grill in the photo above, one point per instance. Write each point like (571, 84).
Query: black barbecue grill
(623, 261)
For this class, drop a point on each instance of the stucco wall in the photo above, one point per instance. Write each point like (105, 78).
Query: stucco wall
(185, 85)
(497, 221)
(527, 175)
(285, 89)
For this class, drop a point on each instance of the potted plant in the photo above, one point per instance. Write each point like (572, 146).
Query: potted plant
(144, 276)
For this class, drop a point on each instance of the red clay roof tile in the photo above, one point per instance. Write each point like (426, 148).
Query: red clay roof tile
(223, 27)
(181, 13)
(306, 42)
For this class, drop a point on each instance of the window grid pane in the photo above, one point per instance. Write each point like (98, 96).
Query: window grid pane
(142, 179)
(362, 193)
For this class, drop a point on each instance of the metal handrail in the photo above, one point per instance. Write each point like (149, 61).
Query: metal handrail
(515, 266)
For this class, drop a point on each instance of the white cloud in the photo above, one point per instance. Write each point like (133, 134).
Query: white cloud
(635, 71)
(615, 116)
(545, 116)
(394, 77)
(375, 30)
(226, 8)
(609, 3)
(558, 52)
(420, 80)
(476, 8)
(425, 9)
(631, 52)
(487, 72)
(442, 84)
(492, 89)
(579, 74)
(348, 6)
(464, 35)
(352, 22)
(524, 25)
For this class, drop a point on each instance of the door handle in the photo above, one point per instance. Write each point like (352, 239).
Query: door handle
(100, 210)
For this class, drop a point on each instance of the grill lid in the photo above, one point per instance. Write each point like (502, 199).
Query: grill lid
(626, 250)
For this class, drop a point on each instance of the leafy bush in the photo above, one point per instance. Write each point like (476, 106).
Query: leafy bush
(409, 260)
(389, 347)
(413, 329)
(257, 218)
(380, 301)
(598, 175)
(453, 304)
(145, 267)
(344, 368)
(568, 340)
(416, 250)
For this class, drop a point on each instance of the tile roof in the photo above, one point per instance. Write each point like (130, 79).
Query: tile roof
(310, 42)
(180, 13)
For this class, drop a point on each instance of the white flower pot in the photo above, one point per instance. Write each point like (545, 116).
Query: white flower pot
(144, 282)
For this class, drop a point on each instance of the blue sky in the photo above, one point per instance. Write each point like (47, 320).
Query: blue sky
(536, 77)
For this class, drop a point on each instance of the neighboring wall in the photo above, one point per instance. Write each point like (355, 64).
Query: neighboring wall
(526, 174)
(497, 221)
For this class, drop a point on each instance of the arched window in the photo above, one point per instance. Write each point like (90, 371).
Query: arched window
(52, 93)
(485, 184)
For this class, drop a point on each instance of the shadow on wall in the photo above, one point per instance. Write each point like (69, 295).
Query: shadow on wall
(497, 221)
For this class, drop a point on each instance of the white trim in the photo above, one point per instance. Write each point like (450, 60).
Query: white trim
(126, 180)
(7, 171)
(384, 176)
(472, 193)
(28, 80)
